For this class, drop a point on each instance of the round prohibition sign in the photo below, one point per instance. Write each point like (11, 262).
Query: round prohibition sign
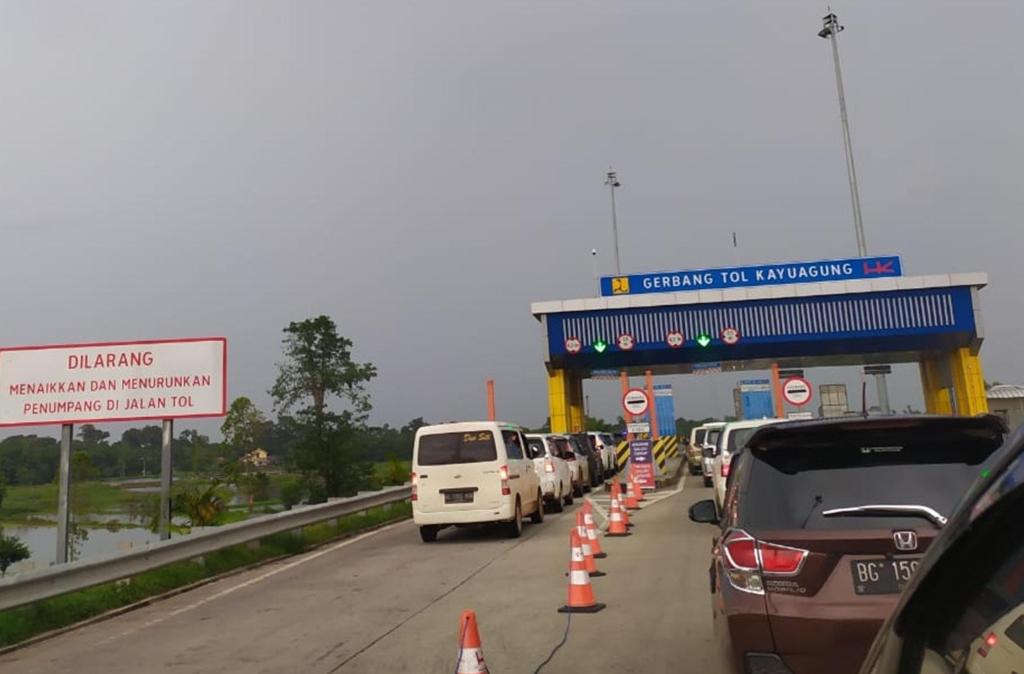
(635, 401)
(730, 336)
(626, 342)
(796, 391)
(675, 339)
(573, 344)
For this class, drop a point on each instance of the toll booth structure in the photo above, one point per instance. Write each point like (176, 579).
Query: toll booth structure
(932, 320)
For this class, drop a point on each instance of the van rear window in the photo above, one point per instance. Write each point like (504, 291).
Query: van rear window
(444, 448)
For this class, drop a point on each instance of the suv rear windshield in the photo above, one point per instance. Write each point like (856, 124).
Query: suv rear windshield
(698, 437)
(440, 449)
(607, 440)
(712, 437)
(788, 488)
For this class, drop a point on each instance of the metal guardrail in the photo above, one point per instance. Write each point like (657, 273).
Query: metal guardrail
(57, 580)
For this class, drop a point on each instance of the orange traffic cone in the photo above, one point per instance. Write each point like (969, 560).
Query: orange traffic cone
(638, 491)
(581, 594)
(471, 657)
(618, 498)
(588, 552)
(623, 510)
(616, 525)
(595, 542)
(630, 496)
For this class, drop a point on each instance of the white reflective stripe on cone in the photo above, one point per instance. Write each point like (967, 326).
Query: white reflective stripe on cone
(472, 662)
(579, 578)
(577, 554)
(587, 552)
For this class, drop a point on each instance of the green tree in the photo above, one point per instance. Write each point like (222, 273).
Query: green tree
(3, 489)
(12, 550)
(201, 505)
(318, 365)
(242, 426)
(92, 436)
(82, 467)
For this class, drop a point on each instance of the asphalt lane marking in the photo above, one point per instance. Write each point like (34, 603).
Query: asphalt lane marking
(252, 581)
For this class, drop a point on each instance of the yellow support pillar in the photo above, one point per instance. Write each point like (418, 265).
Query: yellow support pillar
(936, 394)
(968, 382)
(558, 400)
(574, 387)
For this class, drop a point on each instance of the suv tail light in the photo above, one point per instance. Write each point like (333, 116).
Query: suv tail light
(725, 468)
(415, 481)
(745, 560)
(503, 474)
(548, 466)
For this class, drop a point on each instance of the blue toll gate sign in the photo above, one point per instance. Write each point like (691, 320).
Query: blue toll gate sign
(756, 275)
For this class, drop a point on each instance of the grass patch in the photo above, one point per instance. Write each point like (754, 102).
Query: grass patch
(24, 501)
(25, 622)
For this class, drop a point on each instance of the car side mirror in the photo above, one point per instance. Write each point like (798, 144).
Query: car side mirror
(703, 512)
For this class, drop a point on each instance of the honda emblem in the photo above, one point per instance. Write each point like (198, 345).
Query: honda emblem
(906, 541)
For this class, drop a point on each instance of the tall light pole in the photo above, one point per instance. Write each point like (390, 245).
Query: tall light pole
(829, 31)
(612, 181)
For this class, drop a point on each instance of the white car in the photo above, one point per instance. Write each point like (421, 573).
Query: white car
(605, 444)
(711, 433)
(733, 437)
(472, 473)
(552, 469)
(582, 476)
(565, 450)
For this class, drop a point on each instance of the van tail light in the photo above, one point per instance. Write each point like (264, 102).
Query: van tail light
(725, 468)
(415, 482)
(990, 641)
(745, 560)
(548, 466)
(503, 474)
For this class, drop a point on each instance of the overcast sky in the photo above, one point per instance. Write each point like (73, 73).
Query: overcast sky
(423, 171)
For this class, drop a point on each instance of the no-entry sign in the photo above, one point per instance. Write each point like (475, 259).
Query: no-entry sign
(635, 401)
(113, 381)
(796, 391)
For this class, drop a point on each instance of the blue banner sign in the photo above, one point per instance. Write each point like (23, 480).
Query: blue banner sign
(757, 275)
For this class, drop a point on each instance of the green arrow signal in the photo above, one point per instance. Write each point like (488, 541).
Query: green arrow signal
(703, 339)
(600, 345)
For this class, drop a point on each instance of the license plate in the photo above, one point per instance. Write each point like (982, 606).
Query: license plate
(882, 576)
(458, 497)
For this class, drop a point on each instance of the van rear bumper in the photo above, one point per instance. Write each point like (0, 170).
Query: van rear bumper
(501, 513)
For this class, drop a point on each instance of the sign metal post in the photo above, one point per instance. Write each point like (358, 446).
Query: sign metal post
(165, 479)
(64, 495)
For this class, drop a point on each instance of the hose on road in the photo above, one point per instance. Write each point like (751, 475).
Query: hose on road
(565, 637)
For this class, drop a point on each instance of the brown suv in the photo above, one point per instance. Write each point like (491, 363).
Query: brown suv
(823, 524)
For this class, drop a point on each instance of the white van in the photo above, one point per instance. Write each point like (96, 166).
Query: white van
(732, 439)
(711, 433)
(472, 473)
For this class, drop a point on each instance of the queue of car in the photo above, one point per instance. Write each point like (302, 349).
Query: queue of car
(824, 534)
(486, 472)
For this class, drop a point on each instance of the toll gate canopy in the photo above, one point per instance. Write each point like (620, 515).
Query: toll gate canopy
(931, 320)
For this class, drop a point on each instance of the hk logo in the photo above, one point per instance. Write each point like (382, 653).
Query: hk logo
(573, 345)
(674, 339)
(626, 342)
(906, 541)
(879, 268)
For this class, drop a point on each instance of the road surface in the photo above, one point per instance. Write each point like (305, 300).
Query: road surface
(385, 602)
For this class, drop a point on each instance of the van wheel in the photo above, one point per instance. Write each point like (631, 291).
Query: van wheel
(707, 481)
(556, 503)
(568, 497)
(429, 533)
(577, 489)
(538, 515)
(515, 529)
